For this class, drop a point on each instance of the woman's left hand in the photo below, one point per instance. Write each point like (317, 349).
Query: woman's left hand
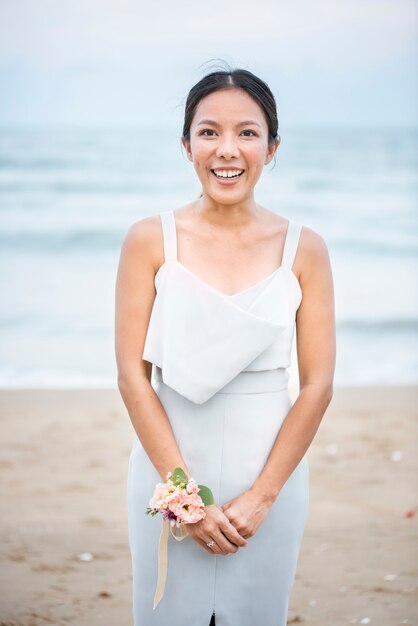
(246, 512)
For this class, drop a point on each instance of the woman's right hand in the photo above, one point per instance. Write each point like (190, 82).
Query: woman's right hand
(217, 527)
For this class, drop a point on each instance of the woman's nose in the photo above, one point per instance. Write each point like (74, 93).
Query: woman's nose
(227, 148)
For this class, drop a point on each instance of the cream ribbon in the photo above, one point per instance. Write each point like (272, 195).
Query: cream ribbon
(163, 556)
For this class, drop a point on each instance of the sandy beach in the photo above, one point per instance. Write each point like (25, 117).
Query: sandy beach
(64, 548)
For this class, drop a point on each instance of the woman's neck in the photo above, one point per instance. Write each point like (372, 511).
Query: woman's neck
(225, 214)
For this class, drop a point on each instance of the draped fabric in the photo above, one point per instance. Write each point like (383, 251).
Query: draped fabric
(201, 338)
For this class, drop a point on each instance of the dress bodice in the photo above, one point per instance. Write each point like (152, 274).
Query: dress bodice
(202, 338)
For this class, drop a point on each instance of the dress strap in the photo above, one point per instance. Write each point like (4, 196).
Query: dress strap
(168, 224)
(291, 243)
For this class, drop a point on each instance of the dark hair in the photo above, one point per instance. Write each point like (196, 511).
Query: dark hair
(257, 89)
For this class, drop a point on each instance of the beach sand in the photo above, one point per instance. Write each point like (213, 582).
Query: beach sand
(63, 461)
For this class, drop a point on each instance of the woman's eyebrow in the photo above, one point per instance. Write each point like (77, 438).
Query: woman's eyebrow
(213, 123)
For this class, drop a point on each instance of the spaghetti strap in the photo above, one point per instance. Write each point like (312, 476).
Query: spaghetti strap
(168, 224)
(291, 244)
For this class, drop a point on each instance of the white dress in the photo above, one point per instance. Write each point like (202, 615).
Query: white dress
(220, 371)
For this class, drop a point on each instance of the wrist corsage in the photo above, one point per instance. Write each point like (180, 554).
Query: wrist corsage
(181, 501)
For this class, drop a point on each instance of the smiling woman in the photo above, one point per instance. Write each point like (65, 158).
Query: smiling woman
(208, 298)
(223, 123)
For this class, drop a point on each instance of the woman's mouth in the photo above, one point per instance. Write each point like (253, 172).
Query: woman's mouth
(227, 177)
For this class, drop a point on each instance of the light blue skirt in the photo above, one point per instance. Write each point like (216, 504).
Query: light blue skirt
(225, 442)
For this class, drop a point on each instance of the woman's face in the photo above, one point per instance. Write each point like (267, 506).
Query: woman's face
(229, 145)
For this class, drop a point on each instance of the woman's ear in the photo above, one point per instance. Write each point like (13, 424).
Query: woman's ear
(186, 146)
(272, 149)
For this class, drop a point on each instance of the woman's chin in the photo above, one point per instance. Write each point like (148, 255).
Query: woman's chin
(223, 198)
(226, 195)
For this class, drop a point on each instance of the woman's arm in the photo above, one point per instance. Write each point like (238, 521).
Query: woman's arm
(316, 351)
(134, 298)
(135, 294)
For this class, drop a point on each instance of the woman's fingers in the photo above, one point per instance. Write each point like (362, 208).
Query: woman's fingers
(198, 535)
(223, 542)
(216, 527)
(226, 536)
(233, 535)
(213, 550)
(221, 546)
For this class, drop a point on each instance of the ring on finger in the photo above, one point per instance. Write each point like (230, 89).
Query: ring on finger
(211, 543)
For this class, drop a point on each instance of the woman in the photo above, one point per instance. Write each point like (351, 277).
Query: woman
(209, 296)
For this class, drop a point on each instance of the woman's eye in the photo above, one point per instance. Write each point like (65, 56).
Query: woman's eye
(209, 132)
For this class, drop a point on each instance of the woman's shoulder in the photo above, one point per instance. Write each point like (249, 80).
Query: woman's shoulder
(145, 227)
(144, 238)
(312, 243)
(143, 241)
(148, 229)
(312, 251)
(144, 232)
(310, 240)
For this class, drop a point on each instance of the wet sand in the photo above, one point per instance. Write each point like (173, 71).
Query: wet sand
(64, 557)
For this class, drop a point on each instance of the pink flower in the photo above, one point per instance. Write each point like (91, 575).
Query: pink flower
(192, 486)
(172, 494)
(158, 496)
(163, 494)
(188, 508)
(180, 504)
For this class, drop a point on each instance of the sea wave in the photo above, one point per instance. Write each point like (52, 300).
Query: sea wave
(379, 326)
(59, 241)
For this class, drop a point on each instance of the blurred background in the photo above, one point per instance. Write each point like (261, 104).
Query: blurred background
(91, 118)
(91, 106)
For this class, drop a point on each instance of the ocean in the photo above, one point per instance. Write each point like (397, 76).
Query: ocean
(68, 196)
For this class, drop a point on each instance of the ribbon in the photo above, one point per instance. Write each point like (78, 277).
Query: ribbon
(163, 556)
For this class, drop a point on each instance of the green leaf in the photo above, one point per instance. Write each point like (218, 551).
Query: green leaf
(179, 477)
(206, 495)
(151, 512)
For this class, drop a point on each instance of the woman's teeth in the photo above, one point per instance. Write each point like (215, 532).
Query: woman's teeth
(227, 173)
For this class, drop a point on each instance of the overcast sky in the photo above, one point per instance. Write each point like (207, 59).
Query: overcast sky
(127, 62)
